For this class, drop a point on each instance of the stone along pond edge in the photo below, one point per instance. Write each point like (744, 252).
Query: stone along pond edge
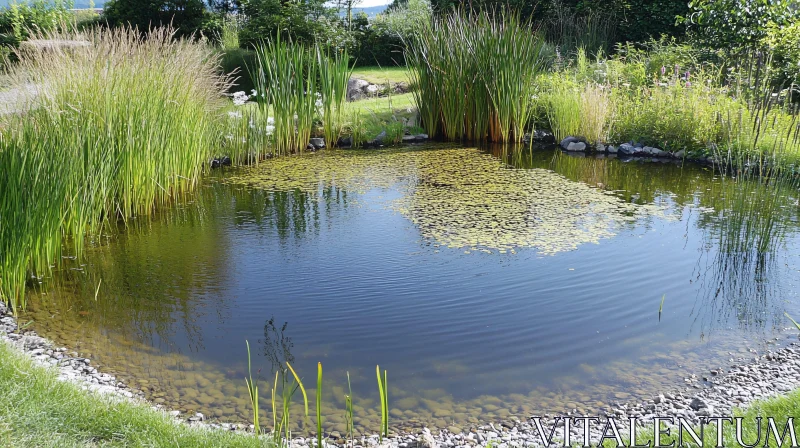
(771, 374)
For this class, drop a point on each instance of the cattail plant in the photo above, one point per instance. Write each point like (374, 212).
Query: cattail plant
(285, 82)
(473, 73)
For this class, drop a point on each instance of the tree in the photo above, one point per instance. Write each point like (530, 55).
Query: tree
(299, 20)
(737, 24)
(633, 20)
(187, 16)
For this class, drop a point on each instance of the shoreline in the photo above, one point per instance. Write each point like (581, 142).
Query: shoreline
(715, 393)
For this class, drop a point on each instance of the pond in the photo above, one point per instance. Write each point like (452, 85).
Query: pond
(487, 285)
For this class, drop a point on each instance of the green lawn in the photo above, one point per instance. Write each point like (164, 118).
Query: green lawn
(382, 105)
(379, 75)
(38, 410)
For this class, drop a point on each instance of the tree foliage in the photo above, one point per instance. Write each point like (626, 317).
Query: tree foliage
(737, 24)
(187, 16)
(634, 20)
(299, 20)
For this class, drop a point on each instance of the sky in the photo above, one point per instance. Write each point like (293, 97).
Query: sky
(371, 3)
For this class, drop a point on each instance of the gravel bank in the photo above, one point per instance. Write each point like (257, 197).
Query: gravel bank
(715, 393)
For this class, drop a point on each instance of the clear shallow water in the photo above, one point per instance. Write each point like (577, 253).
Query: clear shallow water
(484, 291)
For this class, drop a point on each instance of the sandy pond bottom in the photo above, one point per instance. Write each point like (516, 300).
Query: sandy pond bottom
(488, 286)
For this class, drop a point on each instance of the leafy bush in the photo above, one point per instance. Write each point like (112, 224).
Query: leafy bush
(188, 17)
(735, 24)
(18, 19)
(653, 54)
(239, 62)
(784, 45)
(380, 41)
(682, 112)
(375, 43)
(301, 22)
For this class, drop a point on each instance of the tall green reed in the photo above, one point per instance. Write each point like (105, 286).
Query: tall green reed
(334, 73)
(384, 397)
(247, 135)
(252, 389)
(119, 127)
(319, 405)
(285, 82)
(348, 413)
(294, 83)
(473, 73)
(229, 33)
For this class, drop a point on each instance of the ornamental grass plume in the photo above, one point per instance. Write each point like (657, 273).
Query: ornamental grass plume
(123, 121)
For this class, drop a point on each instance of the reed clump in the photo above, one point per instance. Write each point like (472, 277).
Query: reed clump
(473, 73)
(296, 85)
(119, 126)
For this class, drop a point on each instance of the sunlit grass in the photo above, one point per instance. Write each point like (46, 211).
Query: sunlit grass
(37, 409)
(382, 75)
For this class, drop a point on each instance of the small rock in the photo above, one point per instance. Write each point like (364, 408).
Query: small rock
(697, 404)
(576, 146)
(565, 143)
(627, 149)
(317, 143)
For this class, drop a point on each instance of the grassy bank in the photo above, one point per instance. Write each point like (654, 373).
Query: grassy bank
(780, 408)
(38, 410)
(382, 75)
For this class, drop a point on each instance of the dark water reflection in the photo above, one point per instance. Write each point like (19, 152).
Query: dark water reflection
(338, 275)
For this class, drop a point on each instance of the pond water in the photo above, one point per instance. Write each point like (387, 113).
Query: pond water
(487, 285)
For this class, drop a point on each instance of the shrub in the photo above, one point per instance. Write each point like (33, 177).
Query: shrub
(784, 44)
(188, 17)
(680, 113)
(578, 111)
(124, 125)
(18, 19)
(375, 43)
(239, 62)
(295, 21)
(735, 24)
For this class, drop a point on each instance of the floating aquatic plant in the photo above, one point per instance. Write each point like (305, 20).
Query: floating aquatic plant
(462, 198)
